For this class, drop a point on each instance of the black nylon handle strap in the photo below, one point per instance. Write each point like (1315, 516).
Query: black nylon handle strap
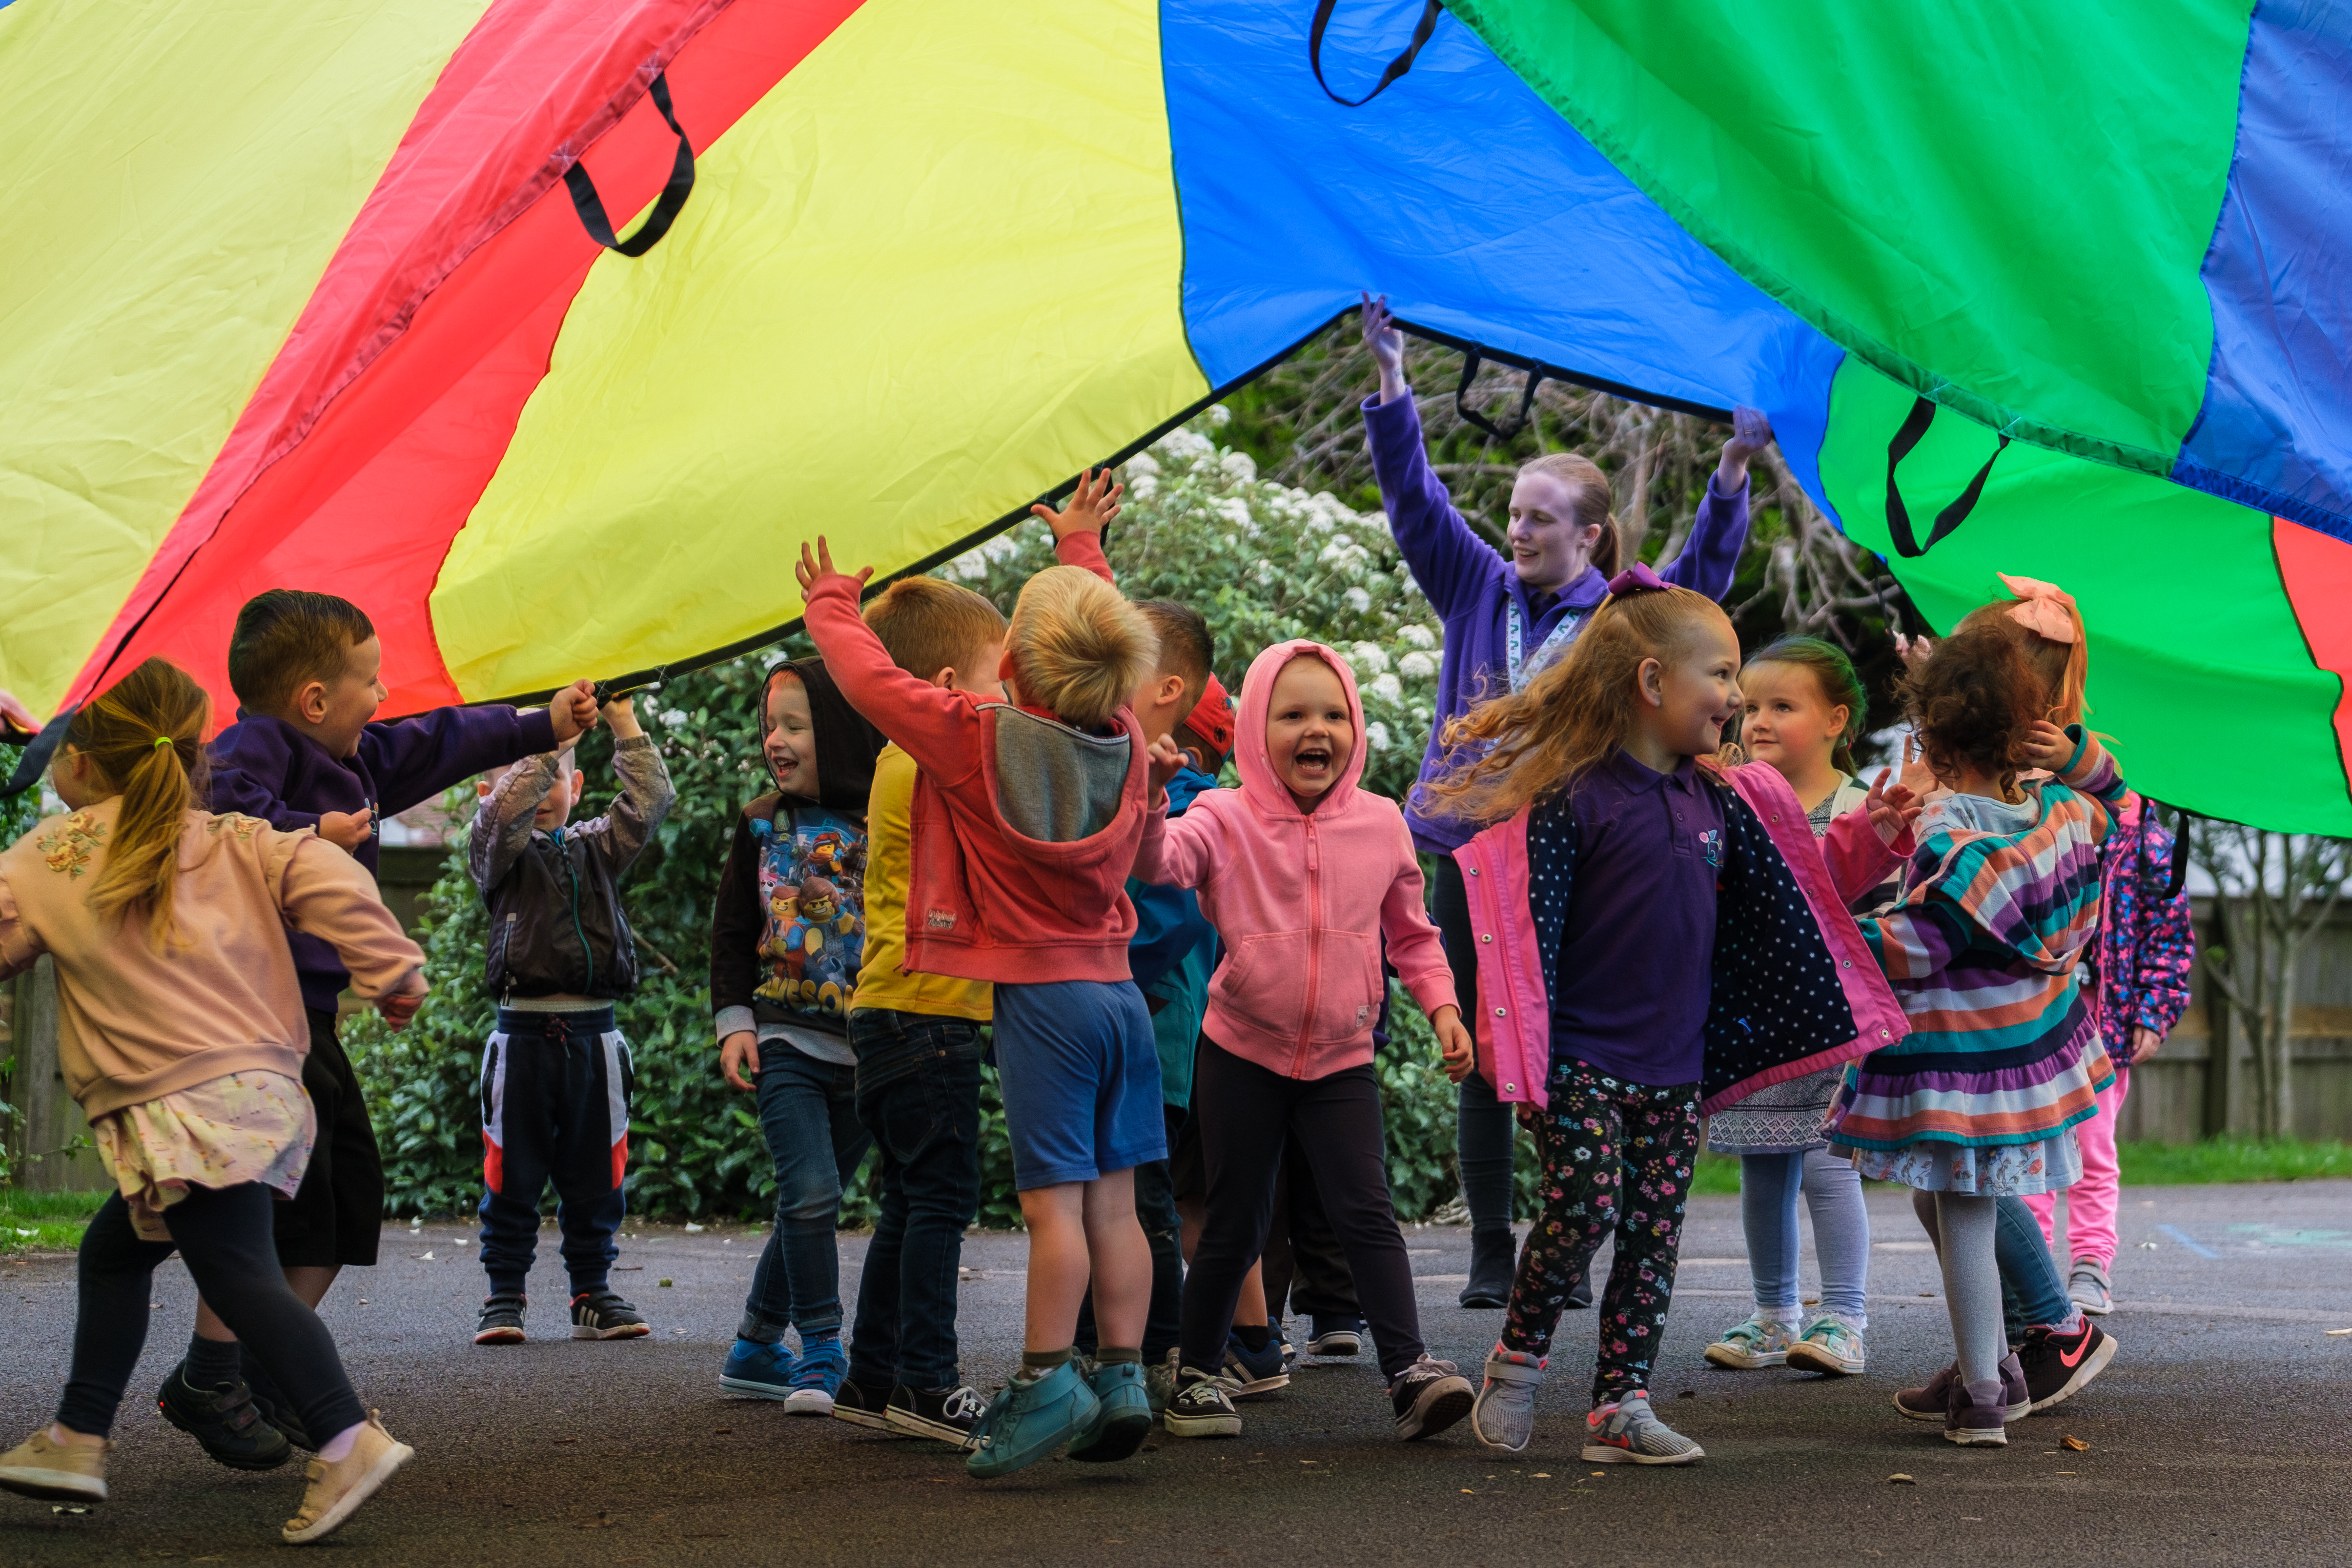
(1396, 67)
(1899, 516)
(1471, 360)
(591, 207)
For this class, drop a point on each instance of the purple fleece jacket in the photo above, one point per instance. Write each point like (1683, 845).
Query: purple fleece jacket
(1470, 586)
(265, 768)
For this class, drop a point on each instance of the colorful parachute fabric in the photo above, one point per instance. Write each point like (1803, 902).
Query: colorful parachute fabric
(309, 295)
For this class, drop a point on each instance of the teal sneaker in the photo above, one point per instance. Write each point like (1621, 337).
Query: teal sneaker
(1030, 1420)
(1123, 1415)
(1830, 1345)
(1759, 1342)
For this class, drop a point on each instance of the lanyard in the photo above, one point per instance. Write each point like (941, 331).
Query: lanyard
(1521, 669)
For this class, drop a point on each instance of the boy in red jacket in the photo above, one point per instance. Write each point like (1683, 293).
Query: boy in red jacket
(1026, 817)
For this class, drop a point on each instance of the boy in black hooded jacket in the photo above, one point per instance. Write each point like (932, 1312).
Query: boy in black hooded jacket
(556, 1077)
(787, 936)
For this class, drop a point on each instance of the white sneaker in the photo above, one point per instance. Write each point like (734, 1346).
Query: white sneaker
(1759, 1342)
(1504, 1415)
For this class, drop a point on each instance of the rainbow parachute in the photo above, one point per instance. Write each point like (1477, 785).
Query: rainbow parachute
(330, 296)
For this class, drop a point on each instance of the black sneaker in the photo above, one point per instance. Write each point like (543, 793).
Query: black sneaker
(864, 1404)
(946, 1414)
(1335, 1336)
(501, 1320)
(1429, 1396)
(2059, 1367)
(1204, 1408)
(223, 1420)
(1493, 1256)
(601, 1313)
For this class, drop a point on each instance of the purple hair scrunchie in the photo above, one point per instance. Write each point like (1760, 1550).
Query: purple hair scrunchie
(1636, 579)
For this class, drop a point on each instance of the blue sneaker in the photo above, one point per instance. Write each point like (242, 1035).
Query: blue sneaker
(817, 1378)
(762, 1371)
(1122, 1417)
(1030, 1420)
(1254, 1373)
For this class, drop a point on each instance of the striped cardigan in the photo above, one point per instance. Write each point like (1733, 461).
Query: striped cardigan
(1985, 950)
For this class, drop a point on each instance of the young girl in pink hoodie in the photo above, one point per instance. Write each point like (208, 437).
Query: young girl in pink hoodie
(1303, 874)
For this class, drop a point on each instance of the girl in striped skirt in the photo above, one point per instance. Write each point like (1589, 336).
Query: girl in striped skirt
(1984, 949)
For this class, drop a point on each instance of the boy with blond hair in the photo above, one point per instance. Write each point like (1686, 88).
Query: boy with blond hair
(1026, 816)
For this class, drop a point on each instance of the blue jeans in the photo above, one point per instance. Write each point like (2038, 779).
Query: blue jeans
(2031, 1293)
(918, 1096)
(808, 1116)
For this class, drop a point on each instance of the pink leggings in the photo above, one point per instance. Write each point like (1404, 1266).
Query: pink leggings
(2090, 1202)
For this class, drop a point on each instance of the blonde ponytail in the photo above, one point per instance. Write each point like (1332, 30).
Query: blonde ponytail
(145, 738)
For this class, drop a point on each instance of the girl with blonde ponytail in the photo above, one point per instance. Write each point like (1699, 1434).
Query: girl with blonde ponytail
(182, 1035)
(1508, 617)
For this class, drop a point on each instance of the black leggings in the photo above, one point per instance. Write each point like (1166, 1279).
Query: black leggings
(1245, 1114)
(1485, 1131)
(223, 1236)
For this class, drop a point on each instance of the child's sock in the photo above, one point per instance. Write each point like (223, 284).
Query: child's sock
(339, 1446)
(1785, 1314)
(212, 1363)
(1036, 1363)
(1116, 1355)
(1252, 1336)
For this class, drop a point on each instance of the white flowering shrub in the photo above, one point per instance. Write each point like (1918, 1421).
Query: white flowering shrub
(1263, 563)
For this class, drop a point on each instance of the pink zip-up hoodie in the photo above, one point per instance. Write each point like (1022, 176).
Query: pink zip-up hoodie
(1301, 899)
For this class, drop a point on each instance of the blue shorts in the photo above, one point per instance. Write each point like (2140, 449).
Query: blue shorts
(1080, 1077)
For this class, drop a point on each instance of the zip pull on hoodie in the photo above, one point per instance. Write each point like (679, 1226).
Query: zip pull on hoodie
(1302, 899)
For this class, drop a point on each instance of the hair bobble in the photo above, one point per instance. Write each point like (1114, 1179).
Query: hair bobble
(165, 740)
(1636, 579)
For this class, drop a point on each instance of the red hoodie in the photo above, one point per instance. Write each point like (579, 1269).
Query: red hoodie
(1301, 899)
(1022, 829)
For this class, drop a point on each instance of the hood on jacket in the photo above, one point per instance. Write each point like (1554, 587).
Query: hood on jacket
(1251, 758)
(846, 743)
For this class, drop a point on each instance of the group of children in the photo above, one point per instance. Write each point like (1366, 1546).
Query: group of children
(999, 839)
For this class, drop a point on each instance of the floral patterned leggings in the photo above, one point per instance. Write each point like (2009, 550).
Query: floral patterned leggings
(1617, 1156)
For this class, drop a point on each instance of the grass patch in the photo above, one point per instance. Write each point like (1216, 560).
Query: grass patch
(45, 1221)
(2232, 1160)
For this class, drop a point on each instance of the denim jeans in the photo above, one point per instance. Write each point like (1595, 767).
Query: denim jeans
(808, 1116)
(2031, 1293)
(918, 1097)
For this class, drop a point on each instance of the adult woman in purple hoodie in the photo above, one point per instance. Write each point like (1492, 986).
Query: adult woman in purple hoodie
(1505, 619)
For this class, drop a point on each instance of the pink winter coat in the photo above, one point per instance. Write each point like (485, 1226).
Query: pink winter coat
(1301, 899)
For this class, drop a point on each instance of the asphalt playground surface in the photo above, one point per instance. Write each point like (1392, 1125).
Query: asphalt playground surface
(2219, 1435)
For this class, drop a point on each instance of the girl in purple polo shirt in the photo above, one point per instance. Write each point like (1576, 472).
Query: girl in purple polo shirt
(1656, 936)
(1505, 620)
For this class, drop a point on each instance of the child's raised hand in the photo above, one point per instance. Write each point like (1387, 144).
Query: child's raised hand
(809, 571)
(15, 718)
(1457, 1053)
(574, 710)
(1891, 810)
(1751, 433)
(347, 830)
(1386, 344)
(1092, 507)
(1167, 761)
(621, 713)
(399, 1004)
(2047, 747)
(736, 1052)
